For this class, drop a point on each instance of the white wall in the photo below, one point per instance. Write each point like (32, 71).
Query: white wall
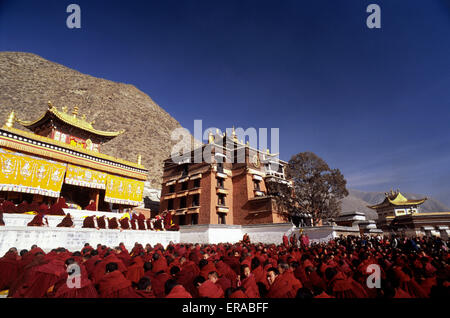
(15, 233)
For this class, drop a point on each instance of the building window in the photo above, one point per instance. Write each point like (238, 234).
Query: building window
(184, 186)
(222, 219)
(182, 202)
(220, 167)
(182, 219)
(196, 200)
(221, 199)
(170, 204)
(197, 183)
(172, 188)
(220, 183)
(185, 170)
(194, 219)
(256, 184)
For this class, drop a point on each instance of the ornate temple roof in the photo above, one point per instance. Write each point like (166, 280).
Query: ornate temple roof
(69, 119)
(396, 199)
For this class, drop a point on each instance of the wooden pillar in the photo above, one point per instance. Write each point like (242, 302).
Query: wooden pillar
(96, 198)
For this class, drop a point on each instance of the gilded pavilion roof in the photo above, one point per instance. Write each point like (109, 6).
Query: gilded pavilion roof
(396, 199)
(69, 119)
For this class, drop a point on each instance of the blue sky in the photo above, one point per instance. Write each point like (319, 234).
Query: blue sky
(374, 103)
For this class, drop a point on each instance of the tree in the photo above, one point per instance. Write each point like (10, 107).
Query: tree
(316, 189)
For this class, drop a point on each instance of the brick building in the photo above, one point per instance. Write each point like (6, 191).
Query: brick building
(222, 182)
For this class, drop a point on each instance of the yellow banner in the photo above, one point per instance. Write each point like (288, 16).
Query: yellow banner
(122, 190)
(84, 177)
(22, 173)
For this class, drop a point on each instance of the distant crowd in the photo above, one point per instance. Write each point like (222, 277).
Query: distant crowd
(409, 268)
(131, 221)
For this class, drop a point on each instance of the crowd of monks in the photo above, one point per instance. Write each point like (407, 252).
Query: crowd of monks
(138, 222)
(410, 268)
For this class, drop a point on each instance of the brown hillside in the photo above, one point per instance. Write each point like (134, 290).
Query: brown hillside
(28, 81)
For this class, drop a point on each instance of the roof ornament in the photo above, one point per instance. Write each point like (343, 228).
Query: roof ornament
(233, 134)
(75, 111)
(11, 119)
(210, 137)
(139, 160)
(50, 105)
(64, 109)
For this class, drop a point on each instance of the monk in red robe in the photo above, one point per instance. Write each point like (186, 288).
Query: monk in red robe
(141, 222)
(89, 222)
(43, 208)
(92, 206)
(158, 284)
(57, 208)
(285, 241)
(133, 224)
(287, 274)
(101, 223)
(144, 288)
(209, 289)
(66, 221)
(42, 278)
(247, 281)
(38, 220)
(9, 207)
(9, 268)
(124, 223)
(77, 285)
(112, 223)
(175, 290)
(279, 287)
(136, 270)
(23, 207)
(115, 285)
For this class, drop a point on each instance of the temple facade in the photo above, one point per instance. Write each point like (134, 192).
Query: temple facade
(228, 185)
(398, 214)
(60, 156)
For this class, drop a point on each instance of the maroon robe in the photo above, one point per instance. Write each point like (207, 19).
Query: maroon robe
(115, 285)
(57, 208)
(124, 223)
(88, 222)
(86, 289)
(38, 220)
(112, 223)
(141, 222)
(9, 270)
(101, 223)
(1, 219)
(210, 290)
(179, 292)
(23, 207)
(66, 221)
(91, 207)
(9, 207)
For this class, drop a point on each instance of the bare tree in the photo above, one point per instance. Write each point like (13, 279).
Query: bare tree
(316, 189)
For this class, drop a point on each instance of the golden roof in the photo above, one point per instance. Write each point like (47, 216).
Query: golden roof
(141, 172)
(72, 120)
(397, 199)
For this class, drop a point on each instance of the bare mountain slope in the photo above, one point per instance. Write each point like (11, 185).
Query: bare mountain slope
(28, 81)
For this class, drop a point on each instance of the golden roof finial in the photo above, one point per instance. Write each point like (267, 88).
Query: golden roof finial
(139, 160)
(248, 143)
(233, 134)
(268, 151)
(83, 117)
(75, 111)
(210, 137)
(64, 109)
(50, 105)
(11, 119)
